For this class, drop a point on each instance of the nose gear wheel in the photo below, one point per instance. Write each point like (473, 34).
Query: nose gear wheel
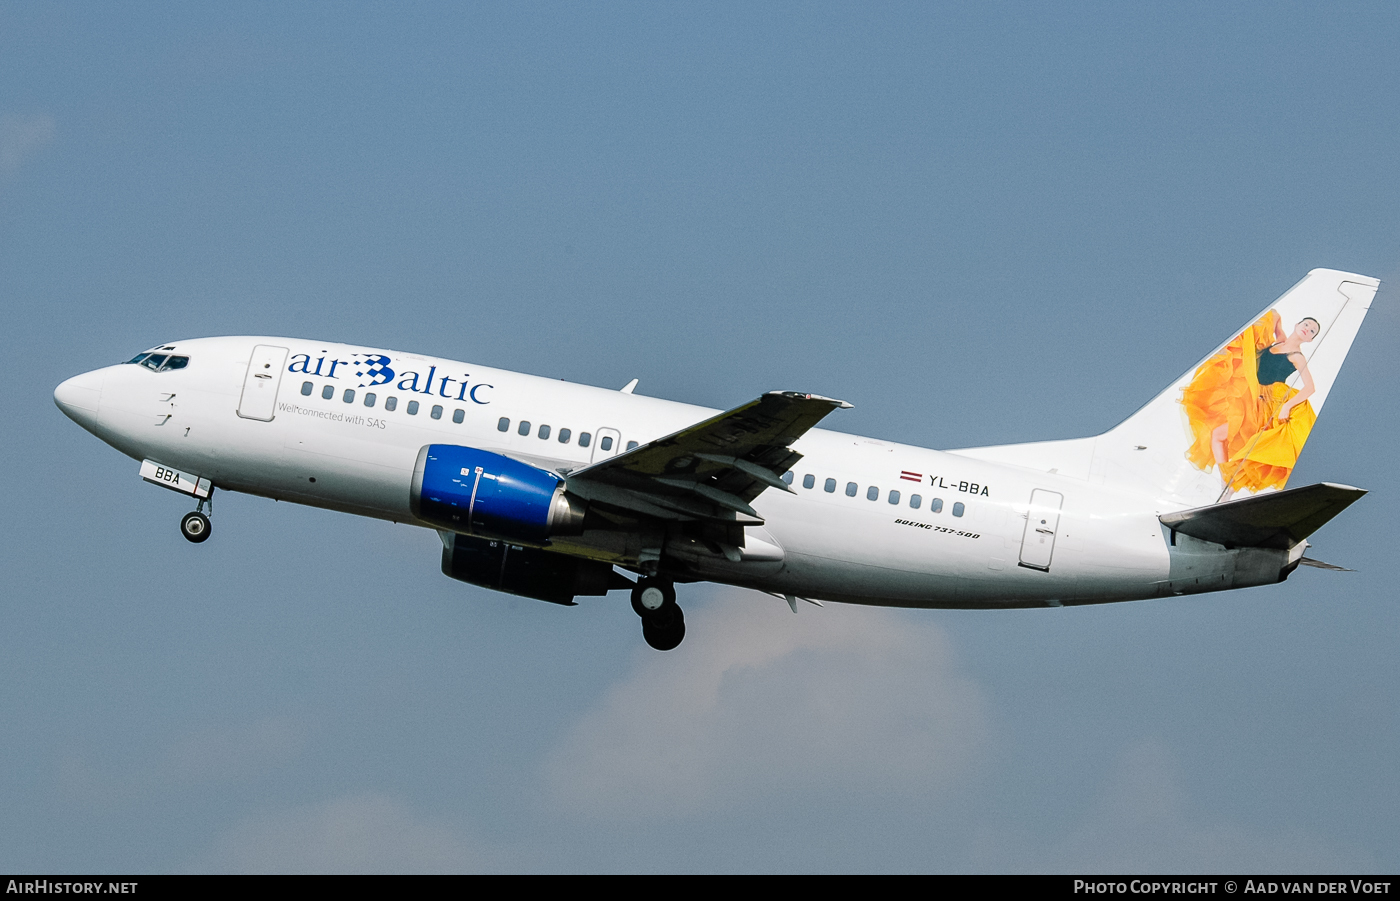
(195, 527)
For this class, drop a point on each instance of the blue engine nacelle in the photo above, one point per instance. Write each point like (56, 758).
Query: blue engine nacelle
(476, 492)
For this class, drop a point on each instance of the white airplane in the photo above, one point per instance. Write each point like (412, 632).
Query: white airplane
(551, 490)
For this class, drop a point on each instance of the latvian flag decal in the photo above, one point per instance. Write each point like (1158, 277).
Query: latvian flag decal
(911, 476)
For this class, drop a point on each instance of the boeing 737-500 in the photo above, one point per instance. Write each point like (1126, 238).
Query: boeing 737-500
(553, 490)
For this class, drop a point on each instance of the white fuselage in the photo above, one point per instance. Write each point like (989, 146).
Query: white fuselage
(963, 546)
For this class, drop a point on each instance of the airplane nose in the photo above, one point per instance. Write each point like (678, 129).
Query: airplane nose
(80, 398)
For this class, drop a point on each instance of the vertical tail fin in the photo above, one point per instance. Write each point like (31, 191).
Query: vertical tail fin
(1234, 424)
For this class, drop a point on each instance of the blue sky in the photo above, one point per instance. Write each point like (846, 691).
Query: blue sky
(978, 223)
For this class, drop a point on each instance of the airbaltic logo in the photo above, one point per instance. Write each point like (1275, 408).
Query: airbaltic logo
(376, 369)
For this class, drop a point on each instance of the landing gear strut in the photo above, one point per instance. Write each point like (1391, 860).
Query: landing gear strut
(663, 624)
(195, 525)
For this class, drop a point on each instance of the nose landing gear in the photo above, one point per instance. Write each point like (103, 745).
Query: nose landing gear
(663, 623)
(195, 525)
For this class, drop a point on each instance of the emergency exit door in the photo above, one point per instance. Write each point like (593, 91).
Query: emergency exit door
(606, 443)
(1042, 521)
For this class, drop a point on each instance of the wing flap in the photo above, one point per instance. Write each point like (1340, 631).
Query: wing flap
(1279, 519)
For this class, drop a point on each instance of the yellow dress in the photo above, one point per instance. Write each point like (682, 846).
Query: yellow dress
(1260, 451)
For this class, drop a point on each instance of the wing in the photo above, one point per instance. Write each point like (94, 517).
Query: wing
(711, 470)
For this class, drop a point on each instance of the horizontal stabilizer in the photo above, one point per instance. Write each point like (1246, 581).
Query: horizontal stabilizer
(1277, 519)
(1308, 561)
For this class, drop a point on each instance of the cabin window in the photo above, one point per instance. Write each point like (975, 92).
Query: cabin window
(894, 496)
(606, 443)
(306, 389)
(524, 427)
(413, 408)
(328, 392)
(503, 424)
(369, 398)
(348, 396)
(958, 508)
(851, 489)
(809, 480)
(872, 493)
(631, 445)
(787, 478)
(544, 432)
(436, 412)
(915, 501)
(391, 403)
(936, 505)
(458, 416)
(830, 486)
(564, 435)
(584, 438)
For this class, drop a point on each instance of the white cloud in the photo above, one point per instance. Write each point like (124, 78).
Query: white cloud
(21, 137)
(758, 704)
(361, 833)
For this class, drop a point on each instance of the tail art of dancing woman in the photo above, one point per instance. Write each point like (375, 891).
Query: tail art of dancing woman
(1247, 423)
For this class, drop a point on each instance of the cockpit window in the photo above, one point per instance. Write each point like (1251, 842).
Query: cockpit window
(159, 362)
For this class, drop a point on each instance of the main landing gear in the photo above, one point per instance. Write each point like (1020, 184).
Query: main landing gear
(195, 525)
(663, 624)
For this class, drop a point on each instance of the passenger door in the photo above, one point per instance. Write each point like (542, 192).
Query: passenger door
(260, 383)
